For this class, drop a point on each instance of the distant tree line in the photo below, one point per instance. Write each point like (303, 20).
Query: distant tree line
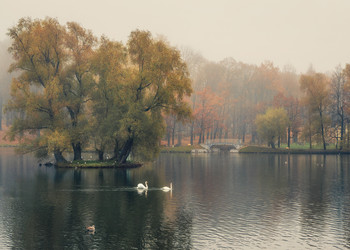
(72, 91)
(236, 100)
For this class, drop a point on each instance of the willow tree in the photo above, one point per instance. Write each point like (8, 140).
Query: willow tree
(75, 90)
(135, 86)
(51, 91)
(77, 82)
(109, 95)
(39, 54)
(157, 82)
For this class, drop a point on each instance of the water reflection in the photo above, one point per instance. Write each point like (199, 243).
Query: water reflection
(218, 201)
(50, 208)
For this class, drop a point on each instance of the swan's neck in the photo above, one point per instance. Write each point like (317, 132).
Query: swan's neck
(146, 185)
(171, 185)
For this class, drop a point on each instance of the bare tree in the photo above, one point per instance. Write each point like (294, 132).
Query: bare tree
(338, 95)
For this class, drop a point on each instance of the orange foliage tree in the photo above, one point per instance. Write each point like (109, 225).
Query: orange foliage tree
(206, 112)
(316, 99)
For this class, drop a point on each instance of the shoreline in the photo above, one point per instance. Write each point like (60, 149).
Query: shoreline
(179, 149)
(265, 150)
(87, 164)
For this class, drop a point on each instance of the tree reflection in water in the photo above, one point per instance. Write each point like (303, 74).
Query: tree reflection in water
(218, 201)
(50, 208)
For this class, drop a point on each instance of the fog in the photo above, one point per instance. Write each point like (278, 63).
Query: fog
(293, 32)
(5, 77)
(243, 56)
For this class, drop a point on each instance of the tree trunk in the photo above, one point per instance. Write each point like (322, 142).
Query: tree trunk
(100, 155)
(168, 138)
(200, 138)
(179, 138)
(337, 139)
(295, 136)
(173, 133)
(0, 113)
(341, 132)
(115, 150)
(288, 137)
(322, 131)
(310, 135)
(77, 151)
(310, 141)
(173, 137)
(192, 134)
(216, 133)
(253, 137)
(74, 121)
(59, 156)
(201, 134)
(126, 150)
(348, 135)
(243, 133)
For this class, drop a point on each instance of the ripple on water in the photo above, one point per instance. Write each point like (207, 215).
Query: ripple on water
(219, 201)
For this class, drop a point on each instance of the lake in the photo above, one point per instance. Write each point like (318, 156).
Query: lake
(218, 201)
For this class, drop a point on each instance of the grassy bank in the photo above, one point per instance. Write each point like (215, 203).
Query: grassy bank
(3, 145)
(257, 149)
(98, 164)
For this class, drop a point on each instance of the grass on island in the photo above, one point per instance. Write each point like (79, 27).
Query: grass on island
(97, 164)
(307, 146)
(294, 149)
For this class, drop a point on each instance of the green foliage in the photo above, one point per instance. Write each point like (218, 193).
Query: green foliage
(256, 149)
(272, 125)
(37, 47)
(130, 96)
(148, 135)
(77, 90)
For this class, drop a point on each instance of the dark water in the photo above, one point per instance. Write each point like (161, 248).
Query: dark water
(219, 201)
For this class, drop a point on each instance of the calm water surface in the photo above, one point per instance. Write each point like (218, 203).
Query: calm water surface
(219, 201)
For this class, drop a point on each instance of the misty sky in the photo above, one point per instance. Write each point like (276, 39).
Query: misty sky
(296, 32)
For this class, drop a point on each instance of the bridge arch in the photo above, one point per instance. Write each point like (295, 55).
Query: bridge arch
(222, 144)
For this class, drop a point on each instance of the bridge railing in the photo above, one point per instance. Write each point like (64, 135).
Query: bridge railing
(223, 141)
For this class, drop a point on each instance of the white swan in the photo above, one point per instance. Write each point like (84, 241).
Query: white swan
(168, 188)
(141, 186)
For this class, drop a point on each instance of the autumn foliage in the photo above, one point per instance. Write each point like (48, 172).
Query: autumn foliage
(76, 91)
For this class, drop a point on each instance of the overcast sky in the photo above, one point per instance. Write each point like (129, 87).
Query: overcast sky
(296, 32)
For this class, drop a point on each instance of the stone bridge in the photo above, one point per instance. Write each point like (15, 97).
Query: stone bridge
(231, 145)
